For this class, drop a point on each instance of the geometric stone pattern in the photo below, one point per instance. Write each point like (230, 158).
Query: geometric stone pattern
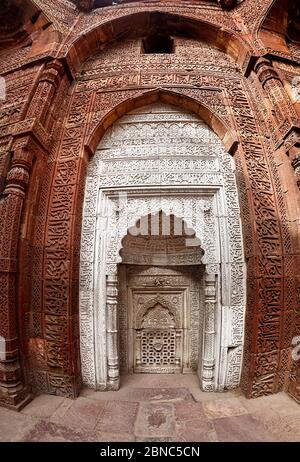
(136, 171)
(178, 284)
(69, 77)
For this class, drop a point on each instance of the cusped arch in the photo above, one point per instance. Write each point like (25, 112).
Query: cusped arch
(193, 236)
(159, 299)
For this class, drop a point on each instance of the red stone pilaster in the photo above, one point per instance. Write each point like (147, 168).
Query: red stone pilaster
(13, 391)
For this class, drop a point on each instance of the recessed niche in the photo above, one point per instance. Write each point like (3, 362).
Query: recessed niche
(158, 44)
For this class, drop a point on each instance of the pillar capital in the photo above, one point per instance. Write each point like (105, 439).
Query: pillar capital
(265, 71)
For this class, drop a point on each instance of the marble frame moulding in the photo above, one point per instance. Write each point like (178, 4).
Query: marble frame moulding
(210, 207)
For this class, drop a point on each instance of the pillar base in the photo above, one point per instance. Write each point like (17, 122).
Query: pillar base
(113, 386)
(15, 404)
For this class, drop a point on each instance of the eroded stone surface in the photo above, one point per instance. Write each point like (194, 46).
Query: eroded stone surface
(111, 417)
(14, 426)
(223, 408)
(158, 394)
(118, 417)
(155, 420)
(285, 428)
(46, 431)
(242, 428)
(195, 430)
(188, 411)
(83, 413)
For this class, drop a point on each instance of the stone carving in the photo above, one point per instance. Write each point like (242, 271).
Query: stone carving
(213, 215)
(182, 299)
(254, 115)
(157, 341)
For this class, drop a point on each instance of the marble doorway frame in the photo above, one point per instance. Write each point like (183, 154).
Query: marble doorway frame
(98, 304)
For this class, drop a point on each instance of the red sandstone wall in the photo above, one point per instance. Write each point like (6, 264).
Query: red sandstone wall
(65, 87)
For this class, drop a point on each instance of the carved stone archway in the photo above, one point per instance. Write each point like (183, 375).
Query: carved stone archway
(64, 90)
(177, 165)
(161, 303)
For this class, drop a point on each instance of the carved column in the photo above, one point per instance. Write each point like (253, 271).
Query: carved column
(287, 127)
(46, 90)
(272, 84)
(137, 344)
(209, 332)
(286, 133)
(13, 392)
(112, 333)
(5, 155)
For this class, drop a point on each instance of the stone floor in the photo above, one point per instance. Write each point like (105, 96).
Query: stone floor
(154, 408)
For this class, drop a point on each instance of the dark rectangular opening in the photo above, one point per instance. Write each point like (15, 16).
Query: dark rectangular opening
(154, 44)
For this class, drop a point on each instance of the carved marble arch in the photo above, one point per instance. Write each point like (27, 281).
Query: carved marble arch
(224, 132)
(192, 178)
(145, 312)
(161, 239)
(151, 22)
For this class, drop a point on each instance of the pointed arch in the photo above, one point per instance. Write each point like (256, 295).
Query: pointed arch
(190, 195)
(99, 36)
(172, 97)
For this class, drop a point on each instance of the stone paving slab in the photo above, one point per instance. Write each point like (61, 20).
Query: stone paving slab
(157, 394)
(83, 413)
(46, 431)
(284, 428)
(154, 410)
(218, 408)
(59, 413)
(155, 420)
(197, 430)
(243, 428)
(188, 411)
(118, 417)
(14, 426)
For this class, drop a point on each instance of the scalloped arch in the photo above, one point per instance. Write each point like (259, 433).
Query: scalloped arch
(151, 303)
